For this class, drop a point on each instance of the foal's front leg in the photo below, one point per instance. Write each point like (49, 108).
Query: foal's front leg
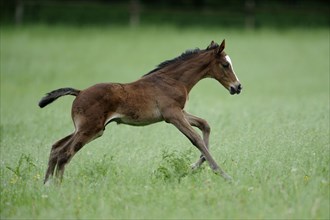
(205, 128)
(178, 119)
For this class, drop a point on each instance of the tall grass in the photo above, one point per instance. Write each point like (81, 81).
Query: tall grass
(273, 139)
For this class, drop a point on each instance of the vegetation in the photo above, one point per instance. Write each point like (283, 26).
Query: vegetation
(273, 138)
(250, 14)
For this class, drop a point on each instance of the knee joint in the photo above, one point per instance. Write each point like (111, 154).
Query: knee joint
(206, 127)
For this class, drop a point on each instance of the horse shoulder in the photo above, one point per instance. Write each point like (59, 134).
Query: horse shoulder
(169, 92)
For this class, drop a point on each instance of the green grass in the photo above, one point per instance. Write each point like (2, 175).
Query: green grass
(273, 138)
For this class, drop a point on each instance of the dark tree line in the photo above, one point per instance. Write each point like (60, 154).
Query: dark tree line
(248, 13)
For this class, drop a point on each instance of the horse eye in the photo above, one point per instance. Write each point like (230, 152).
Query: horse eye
(226, 65)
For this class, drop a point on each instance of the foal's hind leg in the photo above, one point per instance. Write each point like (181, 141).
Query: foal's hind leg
(63, 150)
(205, 128)
(53, 158)
(78, 140)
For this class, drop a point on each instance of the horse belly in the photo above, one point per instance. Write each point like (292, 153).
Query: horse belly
(141, 118)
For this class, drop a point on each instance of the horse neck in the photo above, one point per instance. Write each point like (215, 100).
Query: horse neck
(191, 71)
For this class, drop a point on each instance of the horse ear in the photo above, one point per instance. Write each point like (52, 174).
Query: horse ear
(221, 47)
(212, 44)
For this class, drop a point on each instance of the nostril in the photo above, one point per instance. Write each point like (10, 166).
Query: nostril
(235, 89)
(232, 90)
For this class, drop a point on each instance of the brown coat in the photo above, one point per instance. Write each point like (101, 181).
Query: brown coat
(158, 96)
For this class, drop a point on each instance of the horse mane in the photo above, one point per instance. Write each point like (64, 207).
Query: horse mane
(183, 57)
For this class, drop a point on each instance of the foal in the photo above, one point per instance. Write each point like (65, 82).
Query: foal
(158, 96)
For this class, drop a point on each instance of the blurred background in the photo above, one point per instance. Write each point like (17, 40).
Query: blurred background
(250, 14)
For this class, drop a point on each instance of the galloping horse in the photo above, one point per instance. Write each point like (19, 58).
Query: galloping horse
(160, 95)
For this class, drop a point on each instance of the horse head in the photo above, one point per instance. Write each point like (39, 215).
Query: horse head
(222, 68)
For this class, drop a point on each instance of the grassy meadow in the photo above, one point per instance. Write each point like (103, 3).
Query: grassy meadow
(273, 138)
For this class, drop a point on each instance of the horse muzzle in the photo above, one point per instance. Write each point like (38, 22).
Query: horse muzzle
(235, 89)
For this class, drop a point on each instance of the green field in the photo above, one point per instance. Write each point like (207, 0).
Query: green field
(273, 138)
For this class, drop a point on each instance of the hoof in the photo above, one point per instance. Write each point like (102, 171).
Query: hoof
(227, 177)
(194, 166)
(224, 175)
(49, 182)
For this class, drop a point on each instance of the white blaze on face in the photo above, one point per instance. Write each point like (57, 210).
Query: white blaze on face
(231, 64)
(229, 60)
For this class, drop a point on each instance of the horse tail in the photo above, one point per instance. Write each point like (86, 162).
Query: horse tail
(53, 95)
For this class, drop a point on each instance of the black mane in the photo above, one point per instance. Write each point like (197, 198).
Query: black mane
(184, 56)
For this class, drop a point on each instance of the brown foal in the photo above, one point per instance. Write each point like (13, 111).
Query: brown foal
(158, 96)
